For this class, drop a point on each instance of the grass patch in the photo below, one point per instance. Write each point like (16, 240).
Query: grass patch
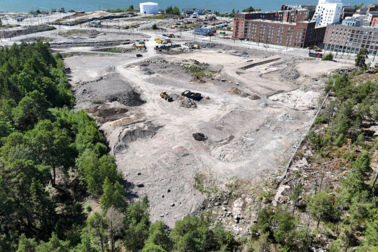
(114, 51)
(98, 102)
(157, 17)
(198, 72)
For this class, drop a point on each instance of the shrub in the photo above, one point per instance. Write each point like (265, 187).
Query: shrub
(328, 56)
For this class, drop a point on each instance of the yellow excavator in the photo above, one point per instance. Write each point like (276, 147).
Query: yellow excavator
(165, 96)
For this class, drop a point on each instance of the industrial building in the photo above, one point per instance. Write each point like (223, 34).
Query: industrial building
(193, 10)
(204, 31)
(149, 8)
(327, 12)
(349, 37)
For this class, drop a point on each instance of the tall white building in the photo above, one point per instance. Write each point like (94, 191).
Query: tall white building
(327, 12)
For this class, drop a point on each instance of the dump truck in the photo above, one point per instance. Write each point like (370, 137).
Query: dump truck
(165, 96)
(191, 95)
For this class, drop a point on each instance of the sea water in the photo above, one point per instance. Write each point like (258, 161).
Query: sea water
(92, 5)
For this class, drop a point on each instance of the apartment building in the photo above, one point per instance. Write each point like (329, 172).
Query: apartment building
(349, 38)
(288, 28)
(327, 12)
(347, 11)
(300, 34)
(311, 8)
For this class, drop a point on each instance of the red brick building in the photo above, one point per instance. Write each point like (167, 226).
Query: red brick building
(288, 28)
(374, 22)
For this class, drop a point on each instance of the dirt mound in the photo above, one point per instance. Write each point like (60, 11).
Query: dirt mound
(128, 98)
(197, 79)
(188, 103)
(134, 133)
(254, 97)
(178, 149)
(102, 112)
(298, 99)
(290, 73)
(147, 71)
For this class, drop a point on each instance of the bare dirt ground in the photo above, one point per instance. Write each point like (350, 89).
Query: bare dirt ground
(250, 120)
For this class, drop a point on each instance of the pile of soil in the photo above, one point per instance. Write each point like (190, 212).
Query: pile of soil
(128, 98)
(188, 103)
(290, 73)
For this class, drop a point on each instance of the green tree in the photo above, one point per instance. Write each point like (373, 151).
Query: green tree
(176, 11)
(321, 206)
(169, 9)
(131, 8)
(284, 226)
(355, 183)
(361, 57)
(87, 244)
(157, 239)
(26, 245)
(249, 9)
(154, 27)
(96, 170)
(32, 108)
(52, 146)
(54, 245)
(137, 224)
(114, 195)
(97, 226)
(357, 7)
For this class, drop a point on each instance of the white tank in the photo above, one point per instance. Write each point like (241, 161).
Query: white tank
(149, 8)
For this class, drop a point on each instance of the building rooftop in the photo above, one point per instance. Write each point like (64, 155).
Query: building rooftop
(280, 22)
(364, 27)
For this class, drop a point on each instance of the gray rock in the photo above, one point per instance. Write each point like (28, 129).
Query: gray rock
(172, 204)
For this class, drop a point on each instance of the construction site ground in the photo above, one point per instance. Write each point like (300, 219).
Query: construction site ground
(253, 113)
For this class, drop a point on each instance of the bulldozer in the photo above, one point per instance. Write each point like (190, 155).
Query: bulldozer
(165, 96)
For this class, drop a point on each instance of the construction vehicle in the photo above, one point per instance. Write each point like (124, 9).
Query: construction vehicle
(196, 46)
(140, 46)
(171, 35)
(191, 95)
(165, 96)
(315, 54)
(317, 49)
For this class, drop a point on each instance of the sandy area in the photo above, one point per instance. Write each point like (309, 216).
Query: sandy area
(247, 135)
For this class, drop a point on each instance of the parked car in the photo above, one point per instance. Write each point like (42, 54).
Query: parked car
(139, 55)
